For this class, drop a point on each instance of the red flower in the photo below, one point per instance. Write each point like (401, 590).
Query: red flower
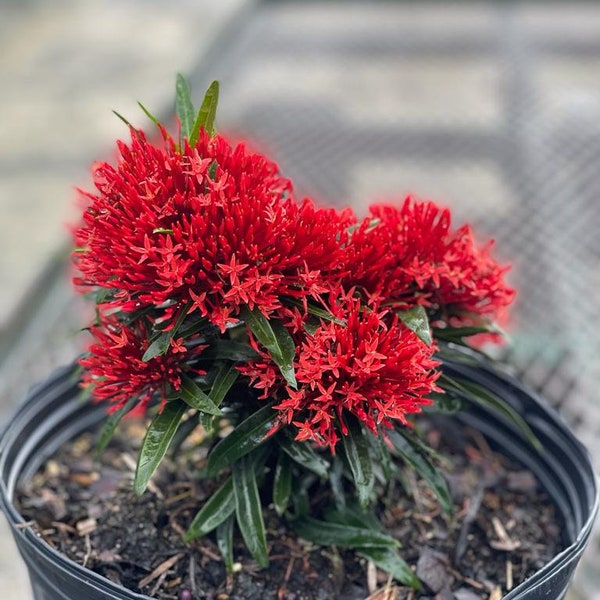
(115, 371)
(410, 255)
(210, 224)
(372, 367)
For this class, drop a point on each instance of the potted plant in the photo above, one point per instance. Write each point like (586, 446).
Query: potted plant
(294, 357)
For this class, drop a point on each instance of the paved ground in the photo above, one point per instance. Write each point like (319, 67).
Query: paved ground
(500, 104)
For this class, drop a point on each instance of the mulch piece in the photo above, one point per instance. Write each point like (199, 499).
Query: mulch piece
(503, 530)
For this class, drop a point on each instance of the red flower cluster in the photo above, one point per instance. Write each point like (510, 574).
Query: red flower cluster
(210, 224)
(370, 366)
(212, 229)
(410, 255)
(115, 369)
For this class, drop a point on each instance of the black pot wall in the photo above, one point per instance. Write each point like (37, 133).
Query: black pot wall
(53, 413)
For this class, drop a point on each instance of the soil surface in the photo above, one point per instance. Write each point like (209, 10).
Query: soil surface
(503, 530)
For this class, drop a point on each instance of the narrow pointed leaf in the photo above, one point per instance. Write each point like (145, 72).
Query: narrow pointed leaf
(230, 350)
(354, 516)
(356, 448)
(410, 454)
(125, 121)
(161, 344)
(336, 534)
(183, 432)
(444, 404)
(248, 510)
(225, 541)
(276, 339)
(196, 398)
(317, 311)
(207, 113)
(158, 347)
(111, 424)
(282, 484)
(219, 507)
(336, 475)
(226, 377)
(184, 107)
(416, 320)
(247, 436)
(456, 334)
(149, 114)
(478, 394)
(390, 561)
(304, 455)
(156, 442)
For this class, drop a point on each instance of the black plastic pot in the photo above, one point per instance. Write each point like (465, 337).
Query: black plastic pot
(52, 414)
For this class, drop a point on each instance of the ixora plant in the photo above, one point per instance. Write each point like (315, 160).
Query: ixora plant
(298, 351)
(313, 336)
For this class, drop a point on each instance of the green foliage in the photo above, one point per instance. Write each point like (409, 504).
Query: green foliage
(413, 455)
(304, 455)
(356, 449)
(416, 320)
(191, 122)
(248, 509)
(111, 424)
(276, 339)
(282, 483)
(218, 508)
(248, 435)
(156, 442)
(476, 393)
(192, 395)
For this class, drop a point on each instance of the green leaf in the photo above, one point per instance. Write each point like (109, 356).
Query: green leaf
(415, 458)
(444, 404)
(317, 311)
(356, 448)
(276, 339)
(212, 170)
(304, 455)
(226, 376)
(111, 424)
(103, 295)
(336, 534)
(247, 436)
(385, 558)
(230, 350)
(196, 398)
(416, 320)
(225, 541)
(390, 561)
(248, 510)
(456, 334)
(125, 121)
(478, 394)
(149, 114)
(382, 456)
(336, 475)
(219, 507)
(156, 442)
(282, 483)
(300, 499)
(183, 432)
(158, 347)
(184, 108)
(353, 516)
(207, 113)
(161, 344)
